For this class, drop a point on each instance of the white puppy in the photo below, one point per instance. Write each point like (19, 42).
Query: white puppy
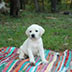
(33, 45)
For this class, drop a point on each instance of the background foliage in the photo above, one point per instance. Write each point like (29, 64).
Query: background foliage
(62, 5)
(58, 27)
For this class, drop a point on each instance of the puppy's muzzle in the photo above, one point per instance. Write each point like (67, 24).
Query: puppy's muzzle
(33, 36)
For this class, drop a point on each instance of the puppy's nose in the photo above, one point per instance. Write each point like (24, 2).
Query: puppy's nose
(33, 36)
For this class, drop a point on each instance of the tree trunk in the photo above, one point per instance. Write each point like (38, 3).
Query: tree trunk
(71, 4)
(22, 4)
(42, 4)
(53, 5)
(37, 5)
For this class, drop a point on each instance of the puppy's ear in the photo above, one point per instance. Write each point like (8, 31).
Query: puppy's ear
(42, 30)
(27, 32)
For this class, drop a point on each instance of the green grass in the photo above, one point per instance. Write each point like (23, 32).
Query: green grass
(58, 31)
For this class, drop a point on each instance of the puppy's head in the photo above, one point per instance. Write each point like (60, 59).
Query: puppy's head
(35, 31)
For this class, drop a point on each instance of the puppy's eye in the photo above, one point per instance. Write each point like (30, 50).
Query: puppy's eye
(30, 31)
(36, 30)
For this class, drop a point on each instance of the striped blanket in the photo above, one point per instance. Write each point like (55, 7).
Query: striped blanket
(9, 62)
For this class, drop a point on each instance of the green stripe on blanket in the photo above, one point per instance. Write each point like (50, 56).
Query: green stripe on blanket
(9, 62)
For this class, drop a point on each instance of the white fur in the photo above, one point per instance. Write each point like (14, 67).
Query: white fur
(33, 46)
(2, 5)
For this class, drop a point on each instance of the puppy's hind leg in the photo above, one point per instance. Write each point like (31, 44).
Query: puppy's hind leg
(21, 54)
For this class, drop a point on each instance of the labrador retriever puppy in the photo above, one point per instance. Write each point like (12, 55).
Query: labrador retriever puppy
(33, 45)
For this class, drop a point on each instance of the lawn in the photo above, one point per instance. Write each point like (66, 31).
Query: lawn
(58, 29)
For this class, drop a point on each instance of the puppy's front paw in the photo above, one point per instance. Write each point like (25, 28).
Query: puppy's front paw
(21, 57)
(45, 61)
(32, 64)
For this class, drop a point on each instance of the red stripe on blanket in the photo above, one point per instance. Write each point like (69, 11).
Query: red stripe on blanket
(66, 58)
(9, 56)
(5, 69)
